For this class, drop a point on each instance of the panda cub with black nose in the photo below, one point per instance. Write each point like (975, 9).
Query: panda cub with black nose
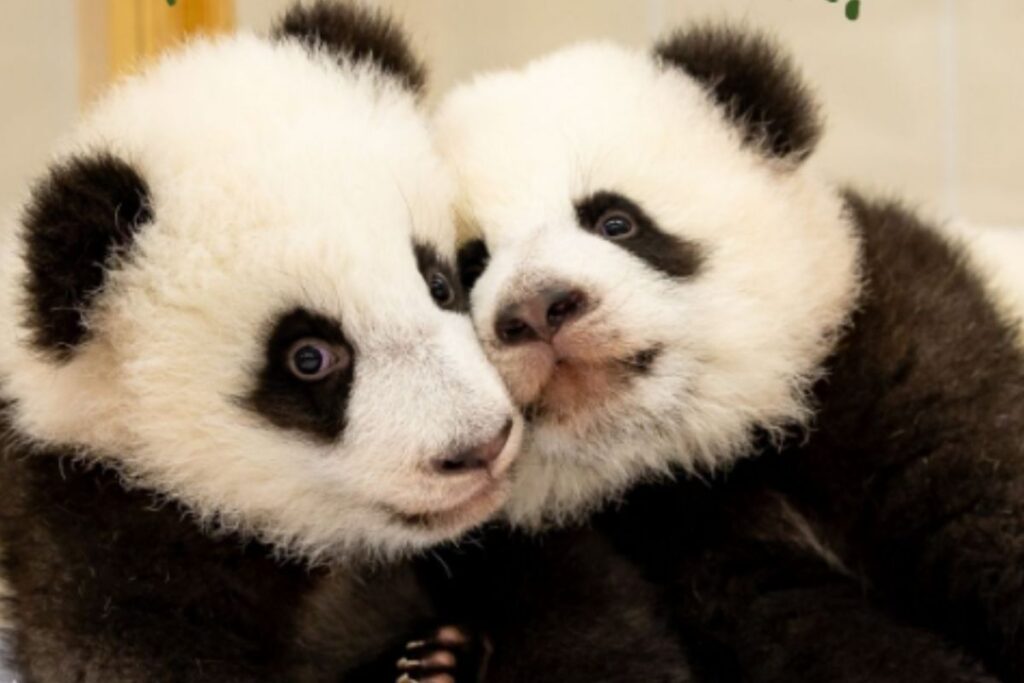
(227, 302)
(667, 288)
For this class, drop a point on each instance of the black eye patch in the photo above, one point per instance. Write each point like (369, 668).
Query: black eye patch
(440, 276)
(316, 408)
(473, 260)
(671, 255)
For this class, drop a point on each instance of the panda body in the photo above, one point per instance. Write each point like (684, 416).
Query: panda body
(670, 291)
(996, 253)
(224, 302)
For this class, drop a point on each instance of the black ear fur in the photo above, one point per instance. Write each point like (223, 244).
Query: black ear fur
(756, 83)
(354, 33)
(80, 214)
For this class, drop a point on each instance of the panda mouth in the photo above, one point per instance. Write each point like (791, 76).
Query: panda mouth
(575, 387)
(467, 513)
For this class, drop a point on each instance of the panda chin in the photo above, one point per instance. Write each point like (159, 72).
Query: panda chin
(451, 521)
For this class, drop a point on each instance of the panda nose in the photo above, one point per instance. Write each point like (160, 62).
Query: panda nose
(540, 316)
(477, 457)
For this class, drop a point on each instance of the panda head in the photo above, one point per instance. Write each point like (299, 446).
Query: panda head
(665, 277)
(235, 286)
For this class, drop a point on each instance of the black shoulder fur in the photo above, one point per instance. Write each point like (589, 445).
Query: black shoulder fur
(109, 584)
(86, 210)
(355, 33)
(889, 544)
(886, 546)
(754, 81)
(564, 607)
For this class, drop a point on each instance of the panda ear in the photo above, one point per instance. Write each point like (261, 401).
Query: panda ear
(756, 84)
(85, 211)
(355, 33)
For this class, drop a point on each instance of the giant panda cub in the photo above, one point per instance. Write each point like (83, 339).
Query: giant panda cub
(672, 290)
(236, 365)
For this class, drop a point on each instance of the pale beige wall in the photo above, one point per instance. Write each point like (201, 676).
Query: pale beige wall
(924, 98)
(38, 86)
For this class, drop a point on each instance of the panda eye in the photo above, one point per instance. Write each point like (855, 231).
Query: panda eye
(441, 290)
(313, 359)
(616, 225)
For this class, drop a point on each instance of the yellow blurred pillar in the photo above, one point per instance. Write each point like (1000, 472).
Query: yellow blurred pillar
(116, 36)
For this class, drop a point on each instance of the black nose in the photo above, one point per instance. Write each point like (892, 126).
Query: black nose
(540, 316)
(477, 457)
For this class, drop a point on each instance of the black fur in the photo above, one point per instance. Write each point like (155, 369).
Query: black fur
(85, 212)
(756, 84)
(473, 259)
(560, 608)
(884, 546)
(355, 33)
(316, 408)
(109, 584)
(667, 253)
(756, 602)
(430, 264)
(913, 476)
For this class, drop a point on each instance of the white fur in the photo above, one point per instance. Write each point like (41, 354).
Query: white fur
(998, 254)
(741, 340)
(278, 180)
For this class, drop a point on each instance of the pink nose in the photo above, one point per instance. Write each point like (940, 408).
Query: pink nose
(480, 456)
(540, 316)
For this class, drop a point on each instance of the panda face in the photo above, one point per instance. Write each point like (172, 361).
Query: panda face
(237, 288)
(660, 281)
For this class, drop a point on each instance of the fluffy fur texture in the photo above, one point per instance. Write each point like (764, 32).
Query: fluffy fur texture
(330, 181)
(754, 83)
(559, 608)
(997, 253)
(884, 542)
(165, 484)
(894, 532)
(110, 586)
(355, 34)
(71, 241)
(759, 594)
(737, 345)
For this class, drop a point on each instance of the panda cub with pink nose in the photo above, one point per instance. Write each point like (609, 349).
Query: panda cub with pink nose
(793, 411)
(225, 304)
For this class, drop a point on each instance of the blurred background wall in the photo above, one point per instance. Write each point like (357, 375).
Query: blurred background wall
(924, 98)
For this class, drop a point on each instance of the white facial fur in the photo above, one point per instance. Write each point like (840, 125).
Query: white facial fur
(277, 180)
(740, 340)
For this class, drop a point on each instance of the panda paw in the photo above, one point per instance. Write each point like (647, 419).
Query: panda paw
(450, 654)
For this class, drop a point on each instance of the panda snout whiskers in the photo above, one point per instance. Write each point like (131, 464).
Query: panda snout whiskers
(642, 361)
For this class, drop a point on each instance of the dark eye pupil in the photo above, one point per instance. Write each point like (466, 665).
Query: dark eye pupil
(308, 360)
(439, 289)
(617, 226)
